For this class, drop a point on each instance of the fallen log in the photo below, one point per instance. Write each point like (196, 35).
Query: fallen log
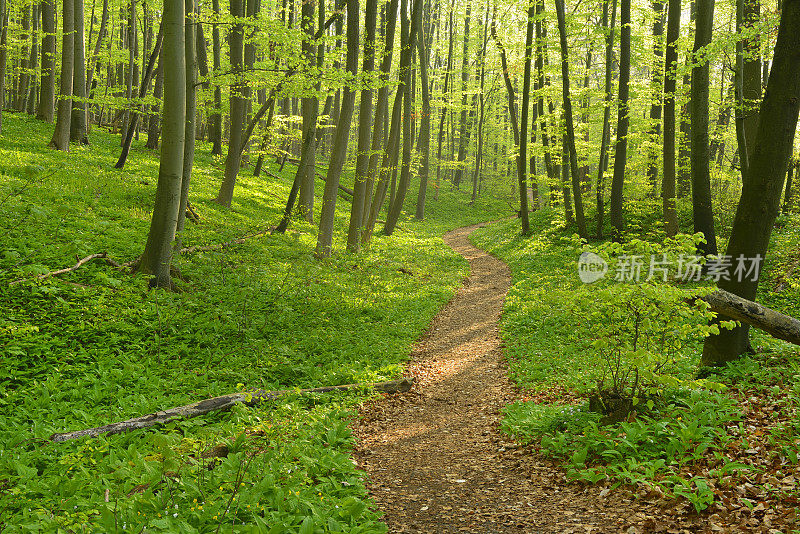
(770, 321)
(223, 402)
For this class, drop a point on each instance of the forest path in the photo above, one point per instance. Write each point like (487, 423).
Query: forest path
(436, 459)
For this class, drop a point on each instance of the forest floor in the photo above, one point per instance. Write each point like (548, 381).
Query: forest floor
(436, 459)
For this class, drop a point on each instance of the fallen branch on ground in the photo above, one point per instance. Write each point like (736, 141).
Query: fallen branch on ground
(81, 262)
(772, 322)
(223, 402)
(218, 246)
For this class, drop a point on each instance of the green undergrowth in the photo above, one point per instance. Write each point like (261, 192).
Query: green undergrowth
(640, 342)
(94, 346)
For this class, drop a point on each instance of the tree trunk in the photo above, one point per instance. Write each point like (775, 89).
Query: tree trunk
(339, 148)
(238, 105)
(570, 135)
(157, 256)
(216, 118)
(47, 89)
(656, 90)
(602, 164)
(380, 122)
(364, 131)
(3, 56)
(703, 210)
(60, 140)
(761, 191)
(670, 79)
(32, 89)
(134, 118)
(424, 142)
(445, 101)
(623, 120)
(190, 55)
(462, 144)
(684, 146)
(405, 170)
(78, 119)
(24, 79)
(94, 59)
(751, 71)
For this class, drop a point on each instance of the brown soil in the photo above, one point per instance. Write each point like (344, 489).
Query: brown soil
(435, 457)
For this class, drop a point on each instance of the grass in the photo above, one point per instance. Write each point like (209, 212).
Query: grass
(95, 346)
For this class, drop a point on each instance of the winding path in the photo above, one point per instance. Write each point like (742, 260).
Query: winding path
(435, 458)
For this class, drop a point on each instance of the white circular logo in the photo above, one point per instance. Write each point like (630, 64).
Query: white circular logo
(591, 267)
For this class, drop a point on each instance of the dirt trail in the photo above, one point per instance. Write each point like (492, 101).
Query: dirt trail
(435, 457)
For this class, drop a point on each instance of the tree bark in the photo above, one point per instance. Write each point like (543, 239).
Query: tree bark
(405, 170)
(602, 164)
(567, 103)
(60, 140)
(670, 82)
(623, 120)
(462, 144)
(424, 141)
(216, 118)
(364, 132)
(238, 105)
(47, 89)
(157, 256)
(656, 94)
(761, 191)
(339, 148)
(190, 55)
(703, 211)
(78, 130)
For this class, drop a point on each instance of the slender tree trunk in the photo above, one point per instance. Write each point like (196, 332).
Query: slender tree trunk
(623, 120)
(339, 148)
(751, 70)
(405, 171)
(32, 89)
(3, 56)
(78, 130)
(542, 82)
(656, 90)
(701, 179)
(379, 124)
(190, 55)
(462, 142)
(24, 79)
(602, 164)
(157, 256)
(445, 101)
(424, 142)
(60, 140)
(310, 105)
(570, 134)
(94, 59)
(684, 150)
(364, 133)
(670, 81)
(148, 75)
(216, 118)
(47, 90)
(761, 190)
(238, 104)
(738, 82)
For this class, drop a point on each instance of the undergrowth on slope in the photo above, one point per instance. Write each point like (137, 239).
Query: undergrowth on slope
(702, 441)
(95, 346)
